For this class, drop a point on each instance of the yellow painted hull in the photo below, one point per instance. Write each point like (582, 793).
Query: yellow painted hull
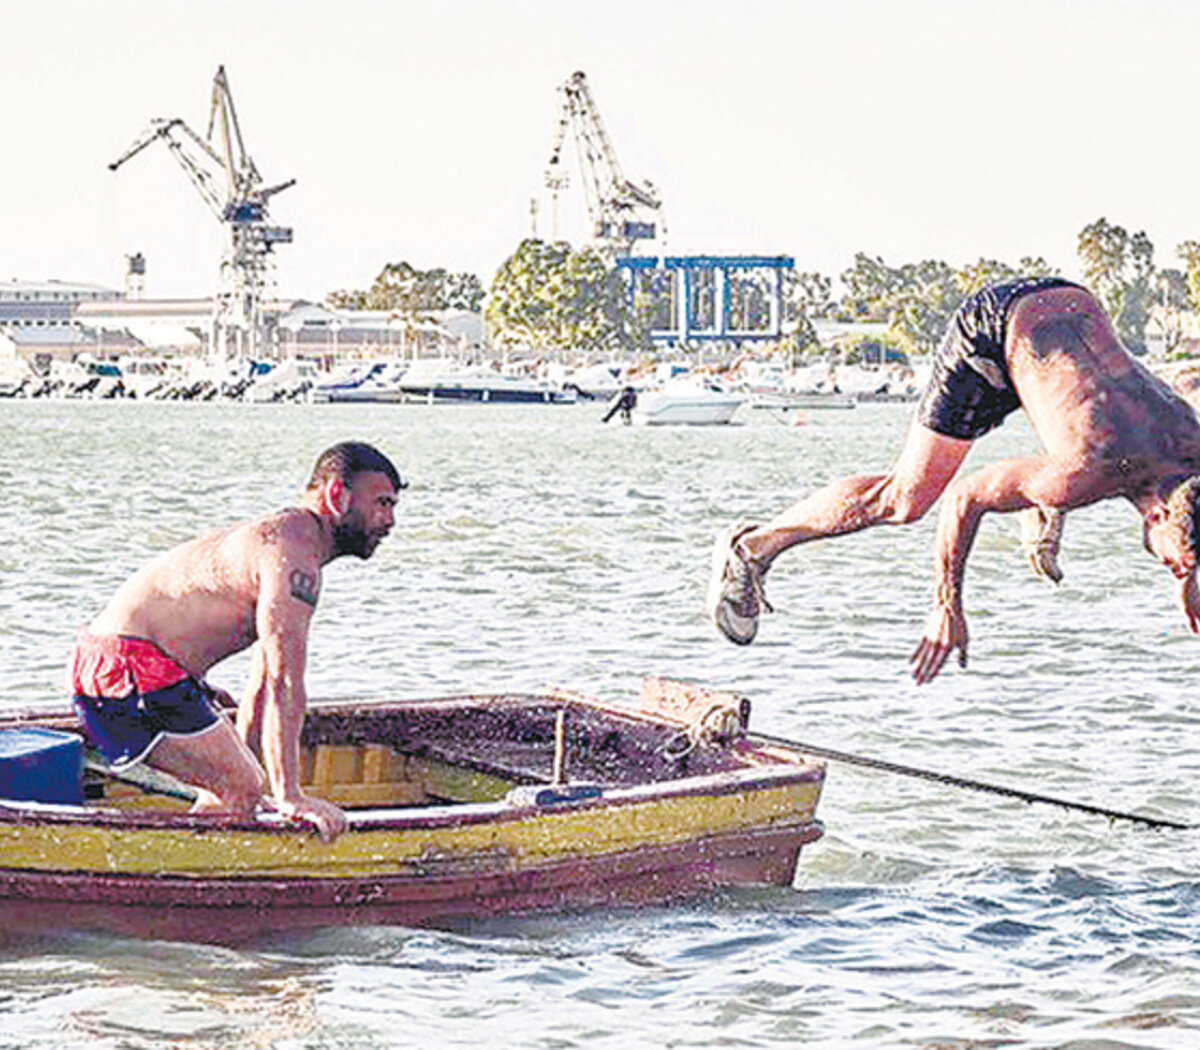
(164, 872)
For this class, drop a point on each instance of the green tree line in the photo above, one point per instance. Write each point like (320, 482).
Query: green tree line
(916, 300)
(403, 289)
(549, 295)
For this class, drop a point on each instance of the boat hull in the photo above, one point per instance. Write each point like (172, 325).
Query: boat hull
(658, 410)
(356, 396)
(455, 393)
(737, 816)
(235, 910)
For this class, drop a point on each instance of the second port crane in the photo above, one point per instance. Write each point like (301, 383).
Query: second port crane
(622, 212)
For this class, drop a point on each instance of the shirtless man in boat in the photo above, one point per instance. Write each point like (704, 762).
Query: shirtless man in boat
(1109, 428)
(137, 671)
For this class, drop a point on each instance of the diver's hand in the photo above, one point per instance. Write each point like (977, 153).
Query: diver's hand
(945, 631)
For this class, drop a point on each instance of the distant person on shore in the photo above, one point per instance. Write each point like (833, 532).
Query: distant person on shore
(1109, 428)
(137, 671)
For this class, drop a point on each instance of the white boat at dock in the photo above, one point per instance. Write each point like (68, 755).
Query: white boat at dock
(375, 383)
(289, 380)
(597, 382)
(438, 382)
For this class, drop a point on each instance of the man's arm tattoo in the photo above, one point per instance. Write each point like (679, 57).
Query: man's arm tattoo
(304, 587)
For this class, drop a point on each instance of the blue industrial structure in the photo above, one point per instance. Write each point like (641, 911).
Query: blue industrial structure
(726, 298)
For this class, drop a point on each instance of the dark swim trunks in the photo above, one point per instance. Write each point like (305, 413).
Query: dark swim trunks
(970, 391)
(129, 694)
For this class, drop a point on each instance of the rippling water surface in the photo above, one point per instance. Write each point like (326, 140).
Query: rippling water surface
(537, 548)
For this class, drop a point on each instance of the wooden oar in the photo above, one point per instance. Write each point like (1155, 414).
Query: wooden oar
(147, 778)
(964, 782)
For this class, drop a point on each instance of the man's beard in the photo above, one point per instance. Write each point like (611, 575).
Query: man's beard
(349, 537)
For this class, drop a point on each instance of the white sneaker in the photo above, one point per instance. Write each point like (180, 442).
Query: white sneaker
(735, 588)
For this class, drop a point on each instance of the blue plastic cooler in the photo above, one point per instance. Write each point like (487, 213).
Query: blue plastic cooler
(41, 765)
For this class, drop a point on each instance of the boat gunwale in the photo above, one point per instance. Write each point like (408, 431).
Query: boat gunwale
(779, 770)
(403, 818)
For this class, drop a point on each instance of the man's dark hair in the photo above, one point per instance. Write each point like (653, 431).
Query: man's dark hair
(347, 458)
(1182, 510)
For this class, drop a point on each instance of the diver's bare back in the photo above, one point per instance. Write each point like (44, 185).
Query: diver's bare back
(1096, 407)
(197, 601)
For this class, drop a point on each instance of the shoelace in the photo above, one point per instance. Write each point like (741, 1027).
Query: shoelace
(757, 588)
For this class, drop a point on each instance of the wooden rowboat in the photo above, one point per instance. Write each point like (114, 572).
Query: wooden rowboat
(459, 807)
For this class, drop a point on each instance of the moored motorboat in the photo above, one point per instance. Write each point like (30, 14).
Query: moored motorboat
(598, 382)
(458, 807)
(495, 390)
(376, 383)
(686, 402)
(286, 381)
(434, 382)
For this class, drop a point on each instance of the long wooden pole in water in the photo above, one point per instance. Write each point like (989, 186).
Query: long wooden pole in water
(964, 782)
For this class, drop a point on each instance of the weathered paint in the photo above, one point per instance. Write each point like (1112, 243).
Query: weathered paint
(210, 846)
(233, 911)
(159, 873)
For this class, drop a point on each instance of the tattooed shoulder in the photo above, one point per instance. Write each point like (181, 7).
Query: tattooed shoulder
(304, 587)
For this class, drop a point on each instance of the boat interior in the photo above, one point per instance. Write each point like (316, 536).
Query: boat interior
(473, 749)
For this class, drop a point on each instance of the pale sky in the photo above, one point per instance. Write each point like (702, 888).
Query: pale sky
(419, 130)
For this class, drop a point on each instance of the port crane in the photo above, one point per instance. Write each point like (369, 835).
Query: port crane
(229, 182)
(622, 213)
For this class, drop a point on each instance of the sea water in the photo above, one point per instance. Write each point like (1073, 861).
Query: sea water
(537, 547)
